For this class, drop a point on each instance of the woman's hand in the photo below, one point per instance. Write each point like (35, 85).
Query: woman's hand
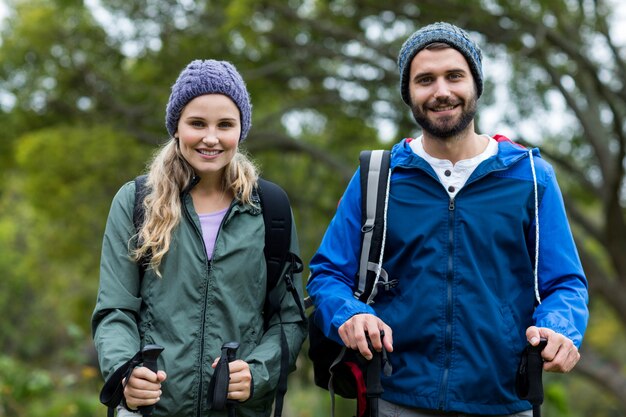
(240, 381)
(143, 387)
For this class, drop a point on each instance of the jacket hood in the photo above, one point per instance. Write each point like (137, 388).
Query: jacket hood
(509, 153)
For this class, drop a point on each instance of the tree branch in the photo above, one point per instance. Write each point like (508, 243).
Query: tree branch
(269, 141)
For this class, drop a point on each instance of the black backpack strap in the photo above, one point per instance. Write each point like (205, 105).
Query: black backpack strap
(141, 191)
(375, 175)
(277, 219)
(140, 194)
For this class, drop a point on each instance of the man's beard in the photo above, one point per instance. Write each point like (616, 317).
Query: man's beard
(445, 129)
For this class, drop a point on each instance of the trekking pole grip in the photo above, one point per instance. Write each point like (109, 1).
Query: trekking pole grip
(150, 354)
(230, 350)
(535, 368)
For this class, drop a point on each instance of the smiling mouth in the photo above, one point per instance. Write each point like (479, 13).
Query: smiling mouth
(207, 152)
(443, 108)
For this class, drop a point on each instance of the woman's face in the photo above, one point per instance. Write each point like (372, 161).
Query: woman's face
(208, 133)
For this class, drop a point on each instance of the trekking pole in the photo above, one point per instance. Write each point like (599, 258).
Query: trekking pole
(230, 349)
(535, 369)
(149, 355)
(376, 367)
(529, 383)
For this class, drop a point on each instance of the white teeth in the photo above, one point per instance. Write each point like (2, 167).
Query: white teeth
(208, 153)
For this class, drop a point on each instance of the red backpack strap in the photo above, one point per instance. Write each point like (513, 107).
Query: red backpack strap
(502, 138)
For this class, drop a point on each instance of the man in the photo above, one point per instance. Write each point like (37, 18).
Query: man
(478, 241)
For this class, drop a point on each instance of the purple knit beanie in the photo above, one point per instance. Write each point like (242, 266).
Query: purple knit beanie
(208, 77)
(439, 32)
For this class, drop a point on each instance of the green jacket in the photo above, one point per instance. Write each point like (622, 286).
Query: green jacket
(195, 308)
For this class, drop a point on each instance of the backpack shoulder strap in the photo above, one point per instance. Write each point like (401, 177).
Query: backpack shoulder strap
(277, 218)
(141, 191)
(374, 175)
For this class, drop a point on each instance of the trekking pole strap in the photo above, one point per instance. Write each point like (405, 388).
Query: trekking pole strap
(217, 396)
(112, 393)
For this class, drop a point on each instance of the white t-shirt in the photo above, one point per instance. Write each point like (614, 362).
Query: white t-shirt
(454, 177)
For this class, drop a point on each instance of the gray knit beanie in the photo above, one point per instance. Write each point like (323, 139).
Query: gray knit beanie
(208, 77)
(439, 32)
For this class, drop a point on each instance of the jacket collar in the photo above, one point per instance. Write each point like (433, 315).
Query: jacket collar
(235, 207)
(508, 154)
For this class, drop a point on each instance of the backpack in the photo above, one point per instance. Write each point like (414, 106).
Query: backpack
(340, 370)
(277, 219)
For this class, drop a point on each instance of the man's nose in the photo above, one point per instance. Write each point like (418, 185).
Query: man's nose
(441, 88)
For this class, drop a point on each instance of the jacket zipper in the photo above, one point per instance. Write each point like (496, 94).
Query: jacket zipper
(206, 295)
(449, 299)
(448, 310)
(450, 277)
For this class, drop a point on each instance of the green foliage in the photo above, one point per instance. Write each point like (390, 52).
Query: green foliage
(28, 391)
(82, 108)
(70, 172)
(51, 223)
(70, 176)
(19, 385)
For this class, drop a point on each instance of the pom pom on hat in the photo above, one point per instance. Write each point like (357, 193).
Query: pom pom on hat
(439, 32)
(208, 77)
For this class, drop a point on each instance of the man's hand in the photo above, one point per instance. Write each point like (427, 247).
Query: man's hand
(559, 355)
(240, 381)
(352, 333)
(143, 387)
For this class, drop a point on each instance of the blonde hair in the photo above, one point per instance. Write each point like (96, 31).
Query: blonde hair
(170, 174)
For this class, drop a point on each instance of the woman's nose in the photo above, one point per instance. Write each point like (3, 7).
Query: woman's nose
(210, 139)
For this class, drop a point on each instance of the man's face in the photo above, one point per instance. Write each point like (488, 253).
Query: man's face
(443, 93)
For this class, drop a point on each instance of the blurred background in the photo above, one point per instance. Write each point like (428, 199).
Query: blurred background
(83, 88)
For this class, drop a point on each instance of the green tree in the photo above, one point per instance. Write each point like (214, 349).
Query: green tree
(82, 99)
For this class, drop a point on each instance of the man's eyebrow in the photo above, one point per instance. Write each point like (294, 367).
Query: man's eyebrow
(425, 73)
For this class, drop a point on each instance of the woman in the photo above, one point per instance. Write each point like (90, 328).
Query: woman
(202, 241)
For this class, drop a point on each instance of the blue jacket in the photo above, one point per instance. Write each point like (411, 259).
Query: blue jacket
(466, 288)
